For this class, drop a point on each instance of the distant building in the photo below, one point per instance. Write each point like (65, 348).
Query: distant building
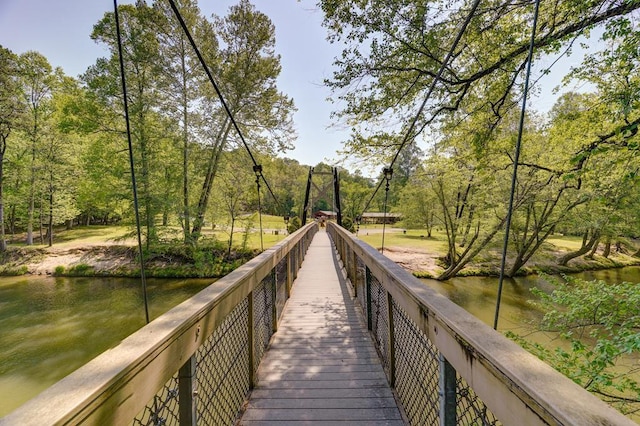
(380, 218)
(325, 214)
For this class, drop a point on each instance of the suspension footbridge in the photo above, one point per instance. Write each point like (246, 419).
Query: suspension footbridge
(319, 329)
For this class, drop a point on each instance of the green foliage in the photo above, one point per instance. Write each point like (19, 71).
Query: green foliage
(13, 271)
(59, 270)
(80, 270)
(600, 323)
(294, 224)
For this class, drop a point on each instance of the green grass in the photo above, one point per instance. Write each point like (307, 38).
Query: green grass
(566, 242)
(414, 238)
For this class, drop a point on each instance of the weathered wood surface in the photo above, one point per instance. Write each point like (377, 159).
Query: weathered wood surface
(321, 366)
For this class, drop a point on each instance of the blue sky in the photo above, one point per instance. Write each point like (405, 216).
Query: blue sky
(60, 29)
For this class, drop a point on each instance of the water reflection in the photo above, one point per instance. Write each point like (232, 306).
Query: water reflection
(51, 326)
(478, 295)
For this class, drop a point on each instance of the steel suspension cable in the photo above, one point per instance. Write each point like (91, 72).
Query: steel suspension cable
(408, 135)
(516, 157)
(218, 92)
(131, 162)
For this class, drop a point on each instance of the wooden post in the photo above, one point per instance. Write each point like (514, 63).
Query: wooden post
(392, 342)
(447, 392)
(187, 392)
(354, 272)
(289, 282)
(274, 299)
(250, 341)
(367, 278)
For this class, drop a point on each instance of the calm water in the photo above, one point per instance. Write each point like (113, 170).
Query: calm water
(51, 326)
(478, 295)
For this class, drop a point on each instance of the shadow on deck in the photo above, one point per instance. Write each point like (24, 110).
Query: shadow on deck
(321, 364)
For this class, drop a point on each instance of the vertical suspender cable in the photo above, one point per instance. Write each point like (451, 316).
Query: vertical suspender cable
(516, 158)
(131, 163)
(408, 135)
(388, 173)
(207, 71)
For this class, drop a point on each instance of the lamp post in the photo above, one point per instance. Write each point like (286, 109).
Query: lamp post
(257, 169)
(388, 174)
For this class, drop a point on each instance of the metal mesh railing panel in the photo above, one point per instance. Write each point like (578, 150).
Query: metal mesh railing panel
(417, 371)
(379, 321)
(262, 317)
(361, 285)
(293, 271)
(163, 409)
(281, 286)
(222, 373)
(470, 409)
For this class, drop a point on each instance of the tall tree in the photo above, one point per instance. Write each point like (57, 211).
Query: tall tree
(140, 56)
(180, 80)
(383, 83)
(11, 107)
(247, 78)
(38, 81)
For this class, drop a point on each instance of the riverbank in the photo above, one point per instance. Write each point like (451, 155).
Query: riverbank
(116, 260)
(424, 264)
(96, 252)
(422, 255)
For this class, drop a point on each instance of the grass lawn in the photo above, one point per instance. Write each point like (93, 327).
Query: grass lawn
(414, 238)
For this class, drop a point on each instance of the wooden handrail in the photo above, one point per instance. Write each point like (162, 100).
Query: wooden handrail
(516, 386)
(115, 386)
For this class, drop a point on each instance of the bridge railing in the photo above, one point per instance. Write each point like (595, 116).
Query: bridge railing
(449, 368)
(193, 365)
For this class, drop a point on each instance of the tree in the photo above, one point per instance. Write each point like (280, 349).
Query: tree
(600, 322)
(355, 191)
(180, 80)
(38, 82)
(418, 204)
(247, 78)
(235, 192)
(11, 108)
(394, 49)
(140, 56)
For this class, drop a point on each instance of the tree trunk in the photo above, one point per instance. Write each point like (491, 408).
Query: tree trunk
(69, 224)
(586, 246)
(593, 250)
(528, 250)
(41, 221)
(467, 228)
(185, 152)
(30, 219)
(50, 224)
(233, 220)
(607, 248)
(12, 221)
(212, 169)
(3, 240)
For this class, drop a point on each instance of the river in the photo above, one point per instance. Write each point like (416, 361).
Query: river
(50, 326)
(478, 295)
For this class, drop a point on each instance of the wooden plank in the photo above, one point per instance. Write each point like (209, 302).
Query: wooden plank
(304, 403)
(324, 423)
(321, 365)
(324, 414)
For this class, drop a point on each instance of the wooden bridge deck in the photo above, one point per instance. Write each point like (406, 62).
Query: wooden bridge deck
(321, 366)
